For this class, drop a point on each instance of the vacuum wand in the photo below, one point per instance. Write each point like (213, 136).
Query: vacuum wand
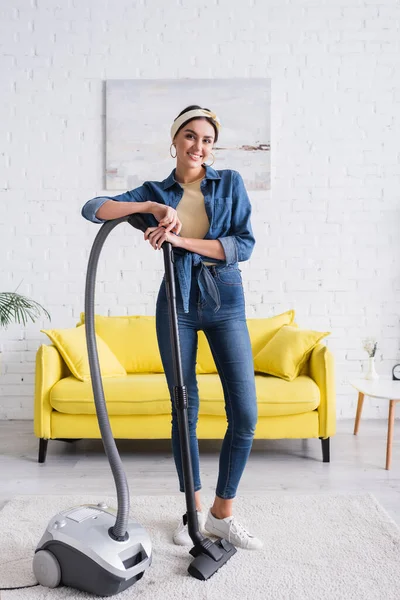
(180, 392)
(180, 396)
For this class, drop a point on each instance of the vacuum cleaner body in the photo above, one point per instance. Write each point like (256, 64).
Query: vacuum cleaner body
(77, 550)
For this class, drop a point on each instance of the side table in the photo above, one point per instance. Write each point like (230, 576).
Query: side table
(381, 388)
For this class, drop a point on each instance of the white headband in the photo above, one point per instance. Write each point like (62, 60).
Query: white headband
(190, 114)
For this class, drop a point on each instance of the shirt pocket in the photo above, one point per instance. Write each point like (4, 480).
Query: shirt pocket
(223, 212)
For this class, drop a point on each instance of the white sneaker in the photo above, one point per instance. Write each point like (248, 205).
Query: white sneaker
(232, 531)
(181, 535)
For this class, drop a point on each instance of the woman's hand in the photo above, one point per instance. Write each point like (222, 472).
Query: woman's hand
(167, 217)
(158, 235)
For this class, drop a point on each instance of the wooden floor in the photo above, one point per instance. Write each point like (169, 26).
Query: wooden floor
(290, 466)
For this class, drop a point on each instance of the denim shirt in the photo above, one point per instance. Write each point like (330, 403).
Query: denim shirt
(228, 209)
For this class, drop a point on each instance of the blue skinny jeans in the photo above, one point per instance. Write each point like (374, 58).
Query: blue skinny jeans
(228, 337)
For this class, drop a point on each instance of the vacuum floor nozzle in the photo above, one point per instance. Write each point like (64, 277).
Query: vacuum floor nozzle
(210, 557)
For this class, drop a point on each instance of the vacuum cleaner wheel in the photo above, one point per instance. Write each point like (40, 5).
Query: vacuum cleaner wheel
(46, 569)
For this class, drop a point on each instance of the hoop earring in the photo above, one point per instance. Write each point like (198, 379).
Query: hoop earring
(213, 160)
(170, 150)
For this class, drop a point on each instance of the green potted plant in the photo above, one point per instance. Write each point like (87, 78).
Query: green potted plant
(15, 308)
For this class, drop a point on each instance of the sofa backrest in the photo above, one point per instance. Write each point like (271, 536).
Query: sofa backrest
(133, 340)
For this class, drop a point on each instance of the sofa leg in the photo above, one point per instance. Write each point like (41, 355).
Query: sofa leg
(42, 450)
(326, 455)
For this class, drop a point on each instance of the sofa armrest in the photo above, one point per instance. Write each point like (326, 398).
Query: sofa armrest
(322, 371)
(50, 368)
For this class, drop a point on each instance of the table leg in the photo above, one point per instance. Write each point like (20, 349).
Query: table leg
(392, 405)
(359, 411)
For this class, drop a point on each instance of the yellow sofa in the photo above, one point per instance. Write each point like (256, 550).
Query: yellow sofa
(139, 404)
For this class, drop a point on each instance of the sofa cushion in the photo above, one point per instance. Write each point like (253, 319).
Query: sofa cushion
(147, 394)
(205, 362)
(261, 331)
(286, 353)
(133, 340)
(275, 396)
(139, 393)
(71, 344)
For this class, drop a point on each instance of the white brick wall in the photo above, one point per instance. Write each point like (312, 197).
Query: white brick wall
(328, 242)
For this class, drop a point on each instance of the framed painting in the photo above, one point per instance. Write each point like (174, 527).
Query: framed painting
(140, 112)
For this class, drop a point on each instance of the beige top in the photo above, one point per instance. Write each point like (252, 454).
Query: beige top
(192, 212)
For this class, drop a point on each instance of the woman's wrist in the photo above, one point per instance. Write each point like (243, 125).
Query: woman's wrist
(179, 241)
(149, 204)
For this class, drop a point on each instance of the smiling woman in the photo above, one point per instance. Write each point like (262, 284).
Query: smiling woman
(206, 213)
(193, 136)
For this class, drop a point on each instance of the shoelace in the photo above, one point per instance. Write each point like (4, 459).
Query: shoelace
(238, 529)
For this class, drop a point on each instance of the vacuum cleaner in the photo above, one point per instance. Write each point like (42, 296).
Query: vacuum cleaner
(95, 548)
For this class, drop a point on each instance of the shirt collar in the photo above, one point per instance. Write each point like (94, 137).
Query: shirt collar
(170, 180)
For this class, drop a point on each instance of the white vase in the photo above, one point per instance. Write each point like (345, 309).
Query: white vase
(371, 372)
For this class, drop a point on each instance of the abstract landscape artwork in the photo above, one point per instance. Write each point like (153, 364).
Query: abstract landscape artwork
(139, 114)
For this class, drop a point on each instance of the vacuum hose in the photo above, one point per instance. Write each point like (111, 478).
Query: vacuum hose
(119, 531)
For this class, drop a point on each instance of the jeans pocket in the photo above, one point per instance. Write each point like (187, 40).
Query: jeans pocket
(229, 276)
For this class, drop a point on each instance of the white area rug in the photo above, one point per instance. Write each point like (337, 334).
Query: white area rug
(328, 547)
